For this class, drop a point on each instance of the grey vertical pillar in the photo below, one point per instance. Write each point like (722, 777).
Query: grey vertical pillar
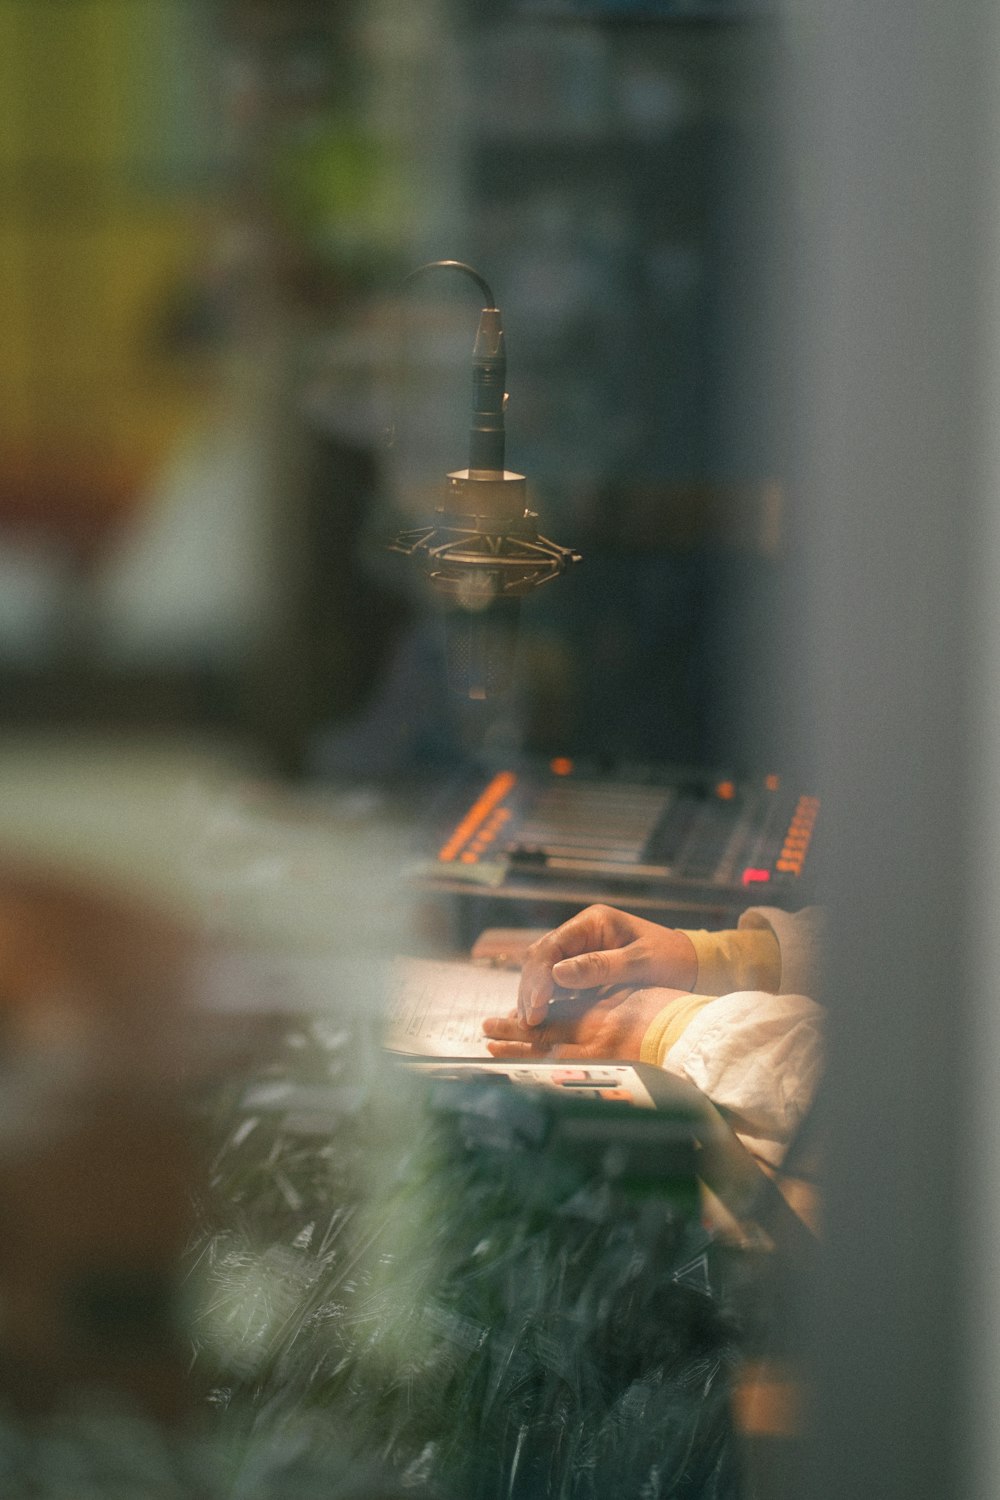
(886, 129)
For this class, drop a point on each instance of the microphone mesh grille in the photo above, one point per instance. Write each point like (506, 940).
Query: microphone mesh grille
(481, 646)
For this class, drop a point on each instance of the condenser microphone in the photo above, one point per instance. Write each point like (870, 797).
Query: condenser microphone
(482, 550)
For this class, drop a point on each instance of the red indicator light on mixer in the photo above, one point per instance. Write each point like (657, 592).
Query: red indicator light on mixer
(755, 877)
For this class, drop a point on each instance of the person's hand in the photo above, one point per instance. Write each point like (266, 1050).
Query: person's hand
(603, 946)
(610, 1024)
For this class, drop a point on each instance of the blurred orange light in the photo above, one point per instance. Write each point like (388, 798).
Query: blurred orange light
(477, 814)
(772, 783)
(561, 765)
(726, 790)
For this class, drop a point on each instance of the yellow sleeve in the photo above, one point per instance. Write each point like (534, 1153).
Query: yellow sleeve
(666, 1028)
(729, 961)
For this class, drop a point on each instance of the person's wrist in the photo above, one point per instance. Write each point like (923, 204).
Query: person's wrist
(651, 1008)
(680, 962)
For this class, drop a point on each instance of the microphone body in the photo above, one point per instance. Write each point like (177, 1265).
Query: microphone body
(482, 557)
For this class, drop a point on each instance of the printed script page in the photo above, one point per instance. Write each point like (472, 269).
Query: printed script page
(437, 1009)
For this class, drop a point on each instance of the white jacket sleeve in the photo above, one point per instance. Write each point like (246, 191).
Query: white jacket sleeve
(759, 1057)
(800, 938)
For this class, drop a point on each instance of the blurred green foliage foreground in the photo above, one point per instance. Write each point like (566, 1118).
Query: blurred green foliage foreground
(407, 1289)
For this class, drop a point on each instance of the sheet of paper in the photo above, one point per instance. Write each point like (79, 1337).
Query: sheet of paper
(437, 1009)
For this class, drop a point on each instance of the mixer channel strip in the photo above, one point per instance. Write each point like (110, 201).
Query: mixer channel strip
(703, 838)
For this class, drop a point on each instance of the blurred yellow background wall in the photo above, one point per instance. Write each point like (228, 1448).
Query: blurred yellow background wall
(101, 126)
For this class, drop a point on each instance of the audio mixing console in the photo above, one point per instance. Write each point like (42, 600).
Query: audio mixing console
(648, 839)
